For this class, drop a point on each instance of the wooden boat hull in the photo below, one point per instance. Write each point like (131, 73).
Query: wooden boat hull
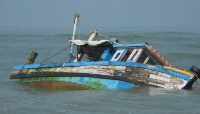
(76, 83)
(103, 75)
(58, 85)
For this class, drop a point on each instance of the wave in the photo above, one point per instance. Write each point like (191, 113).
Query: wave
(170, 33)
(166, 35)
(32, 35)
(173, 38)
(184, 55)
(128, 36)
(192, 46)
(124, 36)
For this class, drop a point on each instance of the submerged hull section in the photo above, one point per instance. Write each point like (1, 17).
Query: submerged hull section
(101, 75)
(76, 83)
(58, 85)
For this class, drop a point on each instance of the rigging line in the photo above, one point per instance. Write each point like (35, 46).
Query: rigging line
(109, 38)
(56, 54)
(123, 42)
(86, 35)
(104, 36)
(98, 33)
(57, 39)
(85, 24)
(187, 71)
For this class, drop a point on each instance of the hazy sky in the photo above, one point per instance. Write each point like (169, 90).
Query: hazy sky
(124, 14)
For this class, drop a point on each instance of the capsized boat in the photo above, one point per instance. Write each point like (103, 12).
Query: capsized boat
(111, 66)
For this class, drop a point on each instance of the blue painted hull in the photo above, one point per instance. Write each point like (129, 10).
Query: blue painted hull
(104, 75)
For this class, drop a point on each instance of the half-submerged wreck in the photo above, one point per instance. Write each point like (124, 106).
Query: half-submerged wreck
(111, 66)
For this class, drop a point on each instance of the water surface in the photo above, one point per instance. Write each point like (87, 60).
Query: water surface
(180, 48)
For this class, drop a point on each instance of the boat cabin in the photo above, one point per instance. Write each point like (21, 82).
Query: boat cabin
(140, 53)
(109, 50)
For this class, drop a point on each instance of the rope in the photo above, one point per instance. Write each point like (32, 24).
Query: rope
(98, 33)
(195, 75)
(86, 35)
(187, 71)
(104, 36)
(55, 54)
(57, 39)
(86, 24)
(109, 38)
(123, 42)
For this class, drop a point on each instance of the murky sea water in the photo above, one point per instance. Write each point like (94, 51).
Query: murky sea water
(180, 48)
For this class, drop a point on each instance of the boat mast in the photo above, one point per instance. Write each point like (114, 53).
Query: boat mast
(93, 35)
(73, 35)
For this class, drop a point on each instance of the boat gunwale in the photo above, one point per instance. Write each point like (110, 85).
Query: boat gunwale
(109, 63)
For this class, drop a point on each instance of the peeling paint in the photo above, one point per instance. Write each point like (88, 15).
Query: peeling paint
(132, 72)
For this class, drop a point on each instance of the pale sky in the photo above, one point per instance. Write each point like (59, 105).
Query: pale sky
(113, 14)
